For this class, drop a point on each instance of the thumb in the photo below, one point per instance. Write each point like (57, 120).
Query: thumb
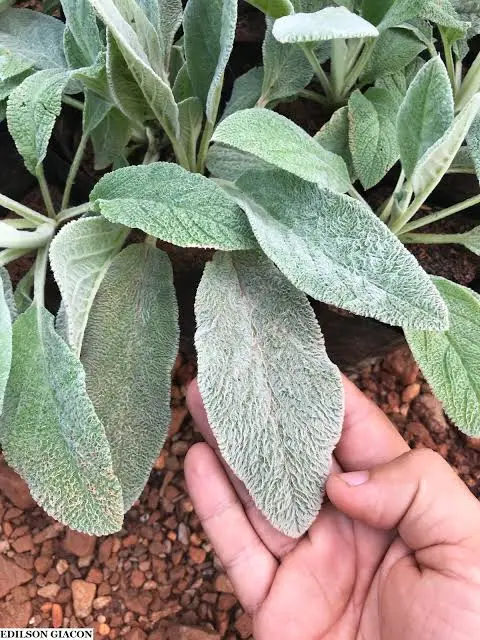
(418, 494)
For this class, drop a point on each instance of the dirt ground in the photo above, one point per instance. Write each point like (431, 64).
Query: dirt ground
(159, 579)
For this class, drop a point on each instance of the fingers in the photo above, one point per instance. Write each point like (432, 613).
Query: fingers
(278, 543)
(417, 493)
(368, 437)
(249, 564)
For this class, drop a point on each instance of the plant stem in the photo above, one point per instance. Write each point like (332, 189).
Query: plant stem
(40, 275)
(470, 85)
(204, 144)
(450, 63)
(354, 194)
(73, 103)
(15, 239)
(312, 95)
(441, 215)
(354, 53)
(386, 209)
(339, 68)
(72, 174)
(431, 238)
(9, 255)
(152, 154)
(319, 72)
(358, 68)
(73, 212)
(47, 198)
(18, 223)
(23, 211)
(151, 241)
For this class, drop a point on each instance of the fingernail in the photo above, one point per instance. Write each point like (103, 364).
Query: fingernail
(355, 478)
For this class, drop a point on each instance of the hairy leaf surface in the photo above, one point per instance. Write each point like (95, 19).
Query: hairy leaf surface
(372, 134)
(275, 139)
(5, 335)
(286, 68)
(209, 33)
(8, 293)
(246, 92)
(82, 23)
(50, 433)
(33, 37)
(229, 164)
(426, 113)
(276, 404)
(190, 113)
(440, 12)
(129, 350)
(435, 162)
(110, 138)
(450, 360)
(32, 110)
(336, 250)
(327, 24)
(333, 137)
(80, 256)
(174, 205)
(394, 50)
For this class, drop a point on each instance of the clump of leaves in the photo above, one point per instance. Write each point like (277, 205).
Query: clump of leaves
(85, 396)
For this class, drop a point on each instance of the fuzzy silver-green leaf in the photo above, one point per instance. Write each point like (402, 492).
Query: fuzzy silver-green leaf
(450, 360)
(5, 337)
(129, 350)
(50, 433)
(174, 205)
(276, 403)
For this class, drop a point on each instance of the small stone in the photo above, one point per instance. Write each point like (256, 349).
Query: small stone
(178, 416)
(197, 554)
(130, 541)
(49, 591)
(138, 604)
(473, 443)
(61, 566)
(79, 544)
(150, 585)
(64, 596)
(20, 594)
(411, 392)
(226, 601)
(105, 550)
(48, 533)
(11, 576)
(84, 561)
(43, 564)
(95, 576)
(23, 544)
(223, 584)
(243, 625)
(14, 614)
(137, 579)
(83, 594)
(14, 488)
(57, 616)
(103, 629)
(181, 632)
(101, 602)
(136, 634)
(183, 534)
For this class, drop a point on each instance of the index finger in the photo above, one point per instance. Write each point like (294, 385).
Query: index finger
(368, 437)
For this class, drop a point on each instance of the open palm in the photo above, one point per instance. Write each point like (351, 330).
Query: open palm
(396, 554)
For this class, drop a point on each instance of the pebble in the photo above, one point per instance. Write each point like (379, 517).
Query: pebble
(48, 533)
(95, 576)
(183, 534)
(243, 625)
(83, 594)
(57, 616)
(15, 614)
(103, 629)
(79, 544)
(49, 591)
(105, 550)
(411, 392)
(61, 566)
(137, 578)
(181, 632)
(11, 576)
(101, 602)
(223, 584)
(197, 554)
(23, 544)
(14, 488)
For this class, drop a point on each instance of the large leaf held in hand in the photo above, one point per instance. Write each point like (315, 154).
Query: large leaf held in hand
(209, 27)
(5, 338)
(426, 113)
(328, 24)
(336, 250)
(50, 433)
(450, 361)
(275, 404)
(129, 351)
(80, 256)
(174, 205)
(275, 139)
(32, 110)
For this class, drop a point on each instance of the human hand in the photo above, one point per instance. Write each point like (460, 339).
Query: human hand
(394, 555)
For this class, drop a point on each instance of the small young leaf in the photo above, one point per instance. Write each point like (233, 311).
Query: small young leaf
(394, 50)
(209, 33)
(328, 24)
(286, 69)
(156, 90)
(50, 433)
(33, 37)
(473, 144)
(273, 8)
(174, 205)
(82, 23)
(183, 88)
(372, 134)
(333, 137)
(5, 336)
(23, 292)
(440, 12)
(8, 293)
(170, 14)
(450, 361)
(275, 139)
(426, 113)
(276, 404)
(471, 240)
(431, 168)
(190, 112)
(129, 350)
(80, 256)
(32, 110)
(246, 92)
(109, 138)
(336, 250)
